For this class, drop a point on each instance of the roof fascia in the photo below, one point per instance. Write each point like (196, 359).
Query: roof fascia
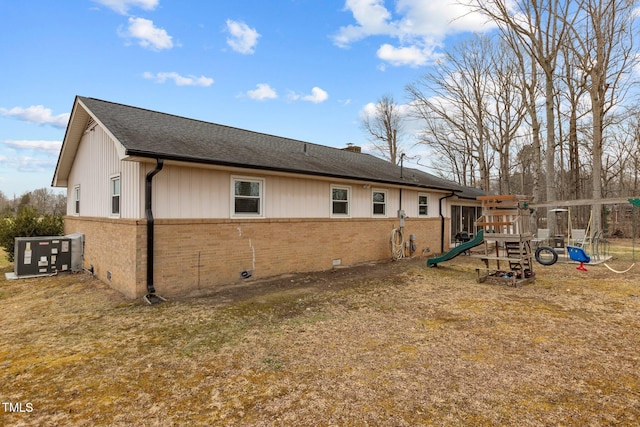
(70, 143)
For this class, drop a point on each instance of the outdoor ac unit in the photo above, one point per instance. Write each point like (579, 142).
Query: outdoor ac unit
(77, 251)
(36, 256)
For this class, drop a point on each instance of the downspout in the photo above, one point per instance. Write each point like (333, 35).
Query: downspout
(442, 221)
(150, 229)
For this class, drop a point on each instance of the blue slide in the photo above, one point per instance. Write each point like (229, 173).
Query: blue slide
(433, 262)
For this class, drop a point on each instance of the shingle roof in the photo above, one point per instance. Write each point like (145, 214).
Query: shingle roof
(146, 133)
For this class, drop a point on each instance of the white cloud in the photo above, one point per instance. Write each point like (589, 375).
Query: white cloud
(262, 92)
(38, 145)
(27, 163)
(243, 39)
(37, 114)
(30, 156)
(372, 18)
(122, 6)
(178, 79)
(437, 18)
(148, 35)
(413, 56)
(317, 96)
(369, 110)
(420, 26)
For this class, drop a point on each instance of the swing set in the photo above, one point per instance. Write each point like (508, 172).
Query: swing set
(634, 203)
(579, 240)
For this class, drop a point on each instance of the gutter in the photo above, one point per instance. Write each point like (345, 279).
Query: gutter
(442, 220)
(151, 296)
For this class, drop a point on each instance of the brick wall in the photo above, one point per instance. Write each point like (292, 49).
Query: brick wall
(199, 254)
(117, 246)
(195, 255)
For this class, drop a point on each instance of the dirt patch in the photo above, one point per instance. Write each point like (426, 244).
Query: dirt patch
(393, 344)
(303, 283)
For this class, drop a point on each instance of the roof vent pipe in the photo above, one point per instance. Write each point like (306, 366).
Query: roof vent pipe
(151, 296)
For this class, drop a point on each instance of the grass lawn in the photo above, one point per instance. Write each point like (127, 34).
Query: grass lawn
(388, 345)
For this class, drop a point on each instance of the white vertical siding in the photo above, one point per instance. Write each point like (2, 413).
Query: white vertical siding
(410, 203)
(193, 192)
(96, 161)
(187, 192)
(130, 193)
(296, 198)
(181, 192)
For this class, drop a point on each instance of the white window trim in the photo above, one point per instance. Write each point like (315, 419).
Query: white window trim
(428, 203)
(386, 204)
(232, 205)
(111, 195)
(76, 200)
(340, 187)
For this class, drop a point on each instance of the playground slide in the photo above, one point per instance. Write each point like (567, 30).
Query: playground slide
(433, 262)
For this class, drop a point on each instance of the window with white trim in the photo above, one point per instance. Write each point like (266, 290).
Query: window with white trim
(76, 199)
(247, 197)
(379, 198)
(114, 185)
(423, 204)
(340, 198)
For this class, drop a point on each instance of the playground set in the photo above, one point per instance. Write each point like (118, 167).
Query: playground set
(503, 232)
(509, 247)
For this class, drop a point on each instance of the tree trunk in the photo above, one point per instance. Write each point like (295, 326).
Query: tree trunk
(550, 152)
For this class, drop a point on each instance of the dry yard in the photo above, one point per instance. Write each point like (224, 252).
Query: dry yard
(387, 345)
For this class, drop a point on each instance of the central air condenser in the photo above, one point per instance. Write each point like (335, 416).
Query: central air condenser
(34, 256)
(77, 251)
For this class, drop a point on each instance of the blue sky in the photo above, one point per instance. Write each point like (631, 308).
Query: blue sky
(302, 69)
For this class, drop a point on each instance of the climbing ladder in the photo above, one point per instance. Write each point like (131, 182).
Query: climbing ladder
(519, 254)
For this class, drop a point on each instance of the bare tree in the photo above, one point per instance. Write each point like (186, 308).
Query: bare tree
(540, 27)
(506, 111)
(455, 96)
(42, 200)
(575, 110)
(59, 204)
(633, 149)
(531, 92)
(385, 126)
(5, 205)
(473, 108)
(451, 150)
(603, 45)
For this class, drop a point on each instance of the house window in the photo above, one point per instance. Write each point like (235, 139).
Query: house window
(379, 203)
(115, 195)
(247, 197)
(340, 200)
(76, 198)
(423, 205)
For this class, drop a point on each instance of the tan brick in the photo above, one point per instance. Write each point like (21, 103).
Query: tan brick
(225, 247)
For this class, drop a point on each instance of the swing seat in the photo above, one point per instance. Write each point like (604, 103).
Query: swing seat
(579, 255)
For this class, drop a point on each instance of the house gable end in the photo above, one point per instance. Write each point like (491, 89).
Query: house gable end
(81, 121)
